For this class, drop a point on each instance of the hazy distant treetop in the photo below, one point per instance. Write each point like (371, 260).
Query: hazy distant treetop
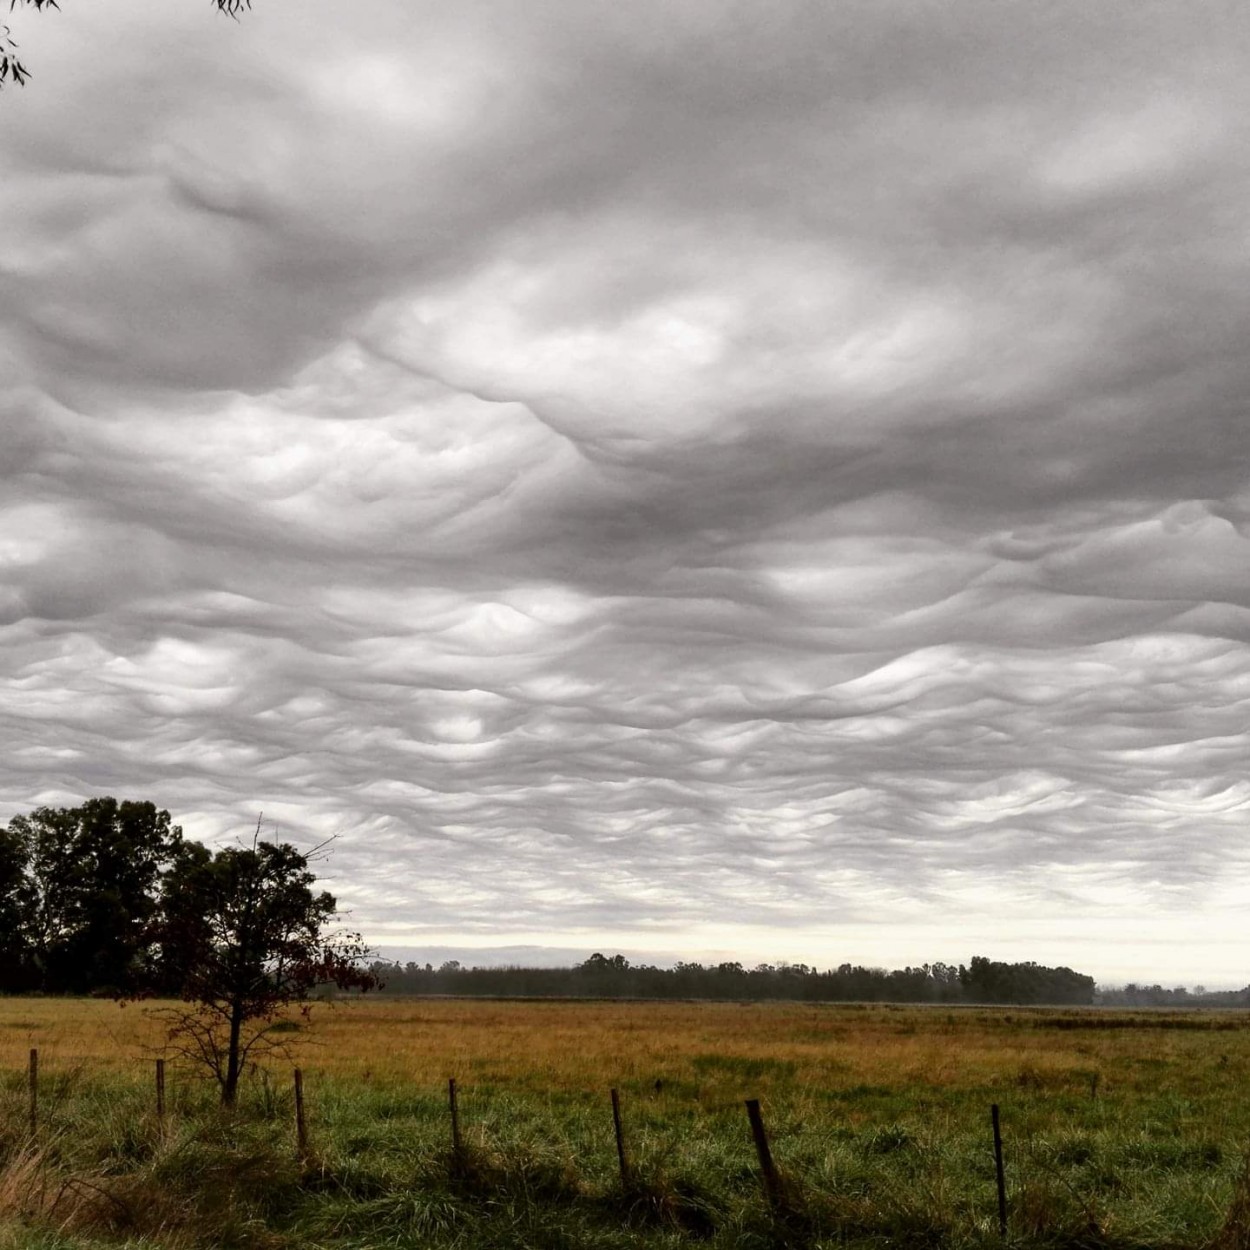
(12, 67)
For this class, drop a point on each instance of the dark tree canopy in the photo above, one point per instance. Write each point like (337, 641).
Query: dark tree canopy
(78, 890)
(11, 66)
(15, 900)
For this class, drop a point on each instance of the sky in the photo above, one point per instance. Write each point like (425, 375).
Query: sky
(688, 478)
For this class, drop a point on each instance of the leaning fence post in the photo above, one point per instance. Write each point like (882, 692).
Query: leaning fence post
(620, 1137)
(301, 1125)
(32, 1080)
(998, 1169)
(456, 1145)
(772, 1188)
(160, 1091)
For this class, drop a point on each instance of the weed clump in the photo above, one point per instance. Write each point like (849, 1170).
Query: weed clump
(1234, 1233)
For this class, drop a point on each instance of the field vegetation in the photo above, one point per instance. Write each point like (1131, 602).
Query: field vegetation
(1121, 1128)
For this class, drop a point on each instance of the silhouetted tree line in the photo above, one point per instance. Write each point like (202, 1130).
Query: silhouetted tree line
(981, 981)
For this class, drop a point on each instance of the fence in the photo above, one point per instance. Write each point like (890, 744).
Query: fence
(771, 1176)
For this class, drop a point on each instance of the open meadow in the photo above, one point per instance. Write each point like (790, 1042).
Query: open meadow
(1120, 1128)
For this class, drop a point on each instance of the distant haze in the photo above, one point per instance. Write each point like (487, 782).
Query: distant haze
(678, 477)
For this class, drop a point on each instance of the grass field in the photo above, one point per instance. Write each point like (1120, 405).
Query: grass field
(1121, 1129)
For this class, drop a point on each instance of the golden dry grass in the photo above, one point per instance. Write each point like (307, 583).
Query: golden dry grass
(576, 1046)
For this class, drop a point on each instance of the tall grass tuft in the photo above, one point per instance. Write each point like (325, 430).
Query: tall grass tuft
(1234, 1233)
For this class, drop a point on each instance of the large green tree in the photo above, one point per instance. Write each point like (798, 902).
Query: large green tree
(83, 885)
(11, 66)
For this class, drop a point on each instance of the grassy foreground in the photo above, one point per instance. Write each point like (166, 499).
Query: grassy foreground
(1121, 1129)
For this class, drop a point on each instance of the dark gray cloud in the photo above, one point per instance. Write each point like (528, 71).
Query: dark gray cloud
(677, 477)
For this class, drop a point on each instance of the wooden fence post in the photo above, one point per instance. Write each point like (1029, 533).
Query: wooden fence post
(160, 1091)
(457, 1146)
(301, 1125)
(32, 1079)
(998, 1170)
(772, 1188)
(620, 1138)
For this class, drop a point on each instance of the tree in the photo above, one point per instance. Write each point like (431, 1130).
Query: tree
(11, 67)
(988, 981)
(241, 935)
(15, 968)
(83, 891)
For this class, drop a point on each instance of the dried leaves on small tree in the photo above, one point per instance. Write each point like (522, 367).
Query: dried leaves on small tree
(241, 935)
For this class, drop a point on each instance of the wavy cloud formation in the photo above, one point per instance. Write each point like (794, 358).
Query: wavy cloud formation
(675, 477)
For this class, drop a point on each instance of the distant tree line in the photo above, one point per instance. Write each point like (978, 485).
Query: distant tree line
(981, 981)
(1134, 995)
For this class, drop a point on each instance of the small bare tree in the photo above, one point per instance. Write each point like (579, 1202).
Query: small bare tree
(241, 935)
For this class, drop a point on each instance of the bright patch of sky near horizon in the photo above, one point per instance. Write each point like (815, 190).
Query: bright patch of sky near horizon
(675, 477)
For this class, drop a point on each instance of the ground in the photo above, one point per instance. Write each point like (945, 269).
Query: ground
(1120, 1128)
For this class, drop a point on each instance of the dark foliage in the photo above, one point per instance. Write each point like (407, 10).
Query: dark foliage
(78, 890)
(986, 981)
(15, 899)
(616, 977)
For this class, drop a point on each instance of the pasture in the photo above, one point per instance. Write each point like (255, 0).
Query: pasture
(1120, 1128)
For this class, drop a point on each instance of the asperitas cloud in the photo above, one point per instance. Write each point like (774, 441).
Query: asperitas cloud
(680, 477)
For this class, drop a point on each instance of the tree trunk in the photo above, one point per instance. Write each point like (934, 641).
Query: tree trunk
(231, 1086)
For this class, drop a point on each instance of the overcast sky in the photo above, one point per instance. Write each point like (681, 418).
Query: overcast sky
(769, 480)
